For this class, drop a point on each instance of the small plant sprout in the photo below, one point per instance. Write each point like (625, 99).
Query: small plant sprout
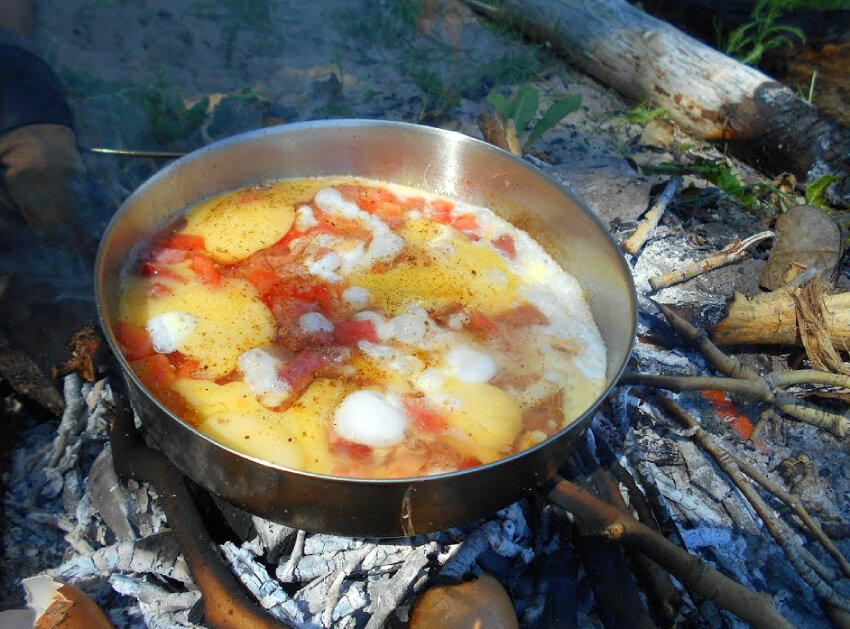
(750, 41)
(643, 114)
(522, 109)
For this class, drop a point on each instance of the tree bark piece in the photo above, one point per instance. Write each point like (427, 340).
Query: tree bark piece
(771, 319)
(708, 94)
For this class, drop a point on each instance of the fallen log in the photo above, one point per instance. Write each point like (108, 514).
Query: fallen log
(708, 94)
(771, 318)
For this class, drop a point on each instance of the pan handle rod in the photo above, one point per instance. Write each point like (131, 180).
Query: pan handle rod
(134, 153)
(226, 605)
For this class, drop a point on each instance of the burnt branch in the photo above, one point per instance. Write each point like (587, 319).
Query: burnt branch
(663, 597)
(809, 569)
(226, 604)
(598, 519)
(744, 380)
(698, 339)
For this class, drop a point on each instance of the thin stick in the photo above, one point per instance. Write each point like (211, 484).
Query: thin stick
(733, 252)
(793, 503)
(698, 339)
(765, 416)
(808, 376)
(597, 518)
(835, 423)
(136, 153)
(650, 220)
(774, 526)
(753, 387)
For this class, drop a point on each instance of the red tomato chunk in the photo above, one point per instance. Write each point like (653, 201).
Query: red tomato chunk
(350, 332)
(135, 342)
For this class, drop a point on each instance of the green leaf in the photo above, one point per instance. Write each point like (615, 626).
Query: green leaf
(556, 112)
(500, 104)
(815, 191)
(525, 106)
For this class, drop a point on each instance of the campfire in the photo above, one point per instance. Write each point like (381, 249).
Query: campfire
(712, 488)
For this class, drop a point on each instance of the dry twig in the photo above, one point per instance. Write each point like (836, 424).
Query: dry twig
(733, 252)
(650, 220)
(499, 133)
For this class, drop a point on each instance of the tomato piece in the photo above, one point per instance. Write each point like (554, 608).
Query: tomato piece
(413, 204)
(350, 332)
(355, 451)
(134, 341)
(465, 222)
(155, 371)
(391, 213)
(424, 417)
(317, 293)
(468, 462)
(441, 211)
(205, 270)
(368, 199)
(184, 366)
(184, 242)
(291, 235)
(479, 322)
(264, 281)
(158, 289)
(505, 244)
(523, 316)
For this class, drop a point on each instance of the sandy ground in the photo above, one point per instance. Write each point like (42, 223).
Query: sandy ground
(160, 74)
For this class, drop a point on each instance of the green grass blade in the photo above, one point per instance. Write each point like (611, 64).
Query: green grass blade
(556, 112)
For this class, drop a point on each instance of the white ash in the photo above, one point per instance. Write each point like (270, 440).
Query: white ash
(111, 537)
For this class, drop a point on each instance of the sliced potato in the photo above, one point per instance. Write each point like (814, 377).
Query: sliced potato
(231, 415)
(309, 420)
(230, 320)
(256, 437)
(237, 224)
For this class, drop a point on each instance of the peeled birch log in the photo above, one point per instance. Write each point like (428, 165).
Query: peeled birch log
(708, 94)
(771, 318)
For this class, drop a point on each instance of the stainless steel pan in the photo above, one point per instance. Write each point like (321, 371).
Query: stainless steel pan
(440, 161)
